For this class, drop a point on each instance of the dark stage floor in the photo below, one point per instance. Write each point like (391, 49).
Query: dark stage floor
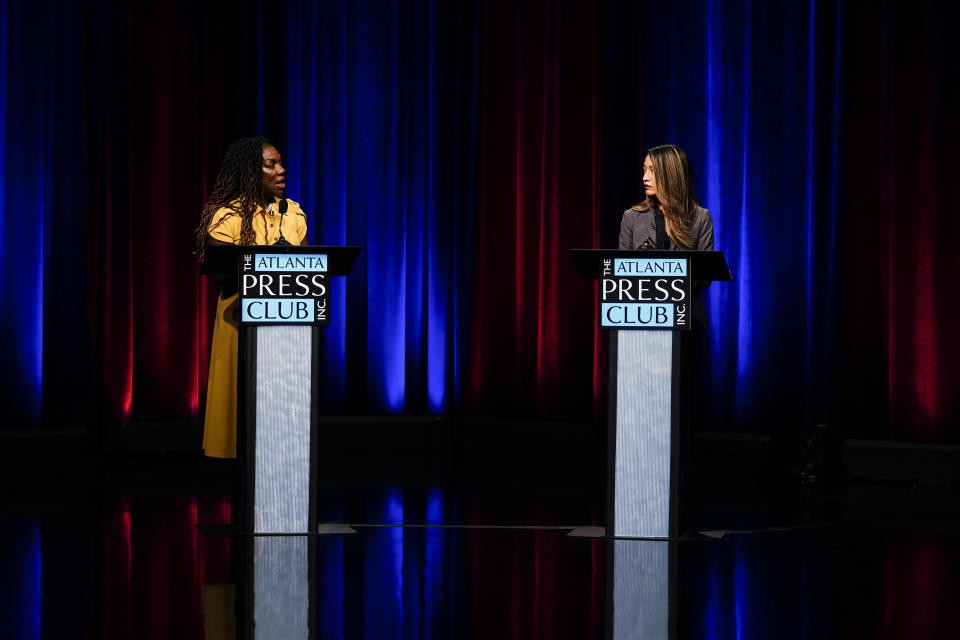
(474, 545)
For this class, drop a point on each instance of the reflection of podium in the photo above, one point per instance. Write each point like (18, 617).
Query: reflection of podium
(284, 301)
(645, 297)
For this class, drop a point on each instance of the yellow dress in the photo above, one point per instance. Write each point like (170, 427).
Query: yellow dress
(220, 423)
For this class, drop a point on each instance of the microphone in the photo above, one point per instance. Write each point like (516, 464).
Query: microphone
(283, 242)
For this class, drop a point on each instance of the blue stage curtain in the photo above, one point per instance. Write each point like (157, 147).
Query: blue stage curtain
(44, 321)
(737, 85)
(374, 105)
(807, 124)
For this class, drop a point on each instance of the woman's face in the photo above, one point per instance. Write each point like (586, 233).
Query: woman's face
(649, 180)
(274, 175)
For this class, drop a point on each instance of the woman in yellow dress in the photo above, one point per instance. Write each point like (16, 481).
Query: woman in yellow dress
(243, 208)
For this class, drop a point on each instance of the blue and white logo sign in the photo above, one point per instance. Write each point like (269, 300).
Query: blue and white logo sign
(645, 293)
(284, 288)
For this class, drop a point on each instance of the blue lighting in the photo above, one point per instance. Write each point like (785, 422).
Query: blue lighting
(383, 585)
(35, 560)
(21, 594)
(43, 255)
(24, 184)
(740, 595)
(764, 163)
(713, 614)
(714, 181)
(330, 609)
(3, 145)
(365, 112)
(433, 569)
(744, 275)
(811, 266)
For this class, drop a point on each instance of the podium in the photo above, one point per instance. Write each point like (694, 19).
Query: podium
(646, 300)
(284, 303)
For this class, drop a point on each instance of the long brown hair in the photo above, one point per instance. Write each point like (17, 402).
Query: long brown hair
(239, 187)
(675, 195)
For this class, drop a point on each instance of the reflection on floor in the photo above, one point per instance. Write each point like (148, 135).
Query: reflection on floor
(120, 555)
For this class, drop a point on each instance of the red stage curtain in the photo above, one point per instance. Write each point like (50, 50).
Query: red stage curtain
(898, 348)
(538, 195)
(163, 101)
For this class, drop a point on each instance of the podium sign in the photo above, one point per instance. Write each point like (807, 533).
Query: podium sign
(644, 293)
(284, 288)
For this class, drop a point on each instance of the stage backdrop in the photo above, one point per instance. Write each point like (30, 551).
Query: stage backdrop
(466, 146)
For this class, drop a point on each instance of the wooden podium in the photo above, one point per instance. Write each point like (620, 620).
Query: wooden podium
(642, 305)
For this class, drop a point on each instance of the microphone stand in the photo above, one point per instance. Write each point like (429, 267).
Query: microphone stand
(282, 242)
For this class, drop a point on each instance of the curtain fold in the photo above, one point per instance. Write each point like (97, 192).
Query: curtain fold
(378, 125)
(467, 146)
(900, 356)
(43, 244)
(531, 346)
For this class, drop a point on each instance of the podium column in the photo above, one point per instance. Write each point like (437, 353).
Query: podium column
(281, 439)
(644, 488)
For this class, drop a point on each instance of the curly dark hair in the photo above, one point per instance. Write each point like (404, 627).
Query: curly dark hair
(239, 187)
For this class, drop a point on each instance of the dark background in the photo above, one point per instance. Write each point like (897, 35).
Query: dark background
(467, 146)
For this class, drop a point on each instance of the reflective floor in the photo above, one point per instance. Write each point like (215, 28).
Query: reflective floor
(122, 553)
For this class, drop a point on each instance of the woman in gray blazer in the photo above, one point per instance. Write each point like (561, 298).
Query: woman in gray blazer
(669, 218)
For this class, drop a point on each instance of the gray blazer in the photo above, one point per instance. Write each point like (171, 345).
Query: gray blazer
(638, 230)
